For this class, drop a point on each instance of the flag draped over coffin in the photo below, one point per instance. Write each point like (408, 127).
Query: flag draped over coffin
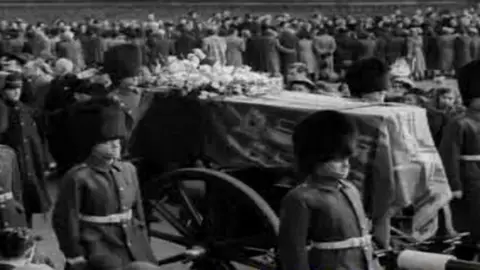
(397, 164)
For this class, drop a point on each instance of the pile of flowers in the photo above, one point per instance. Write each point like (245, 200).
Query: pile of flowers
(188, 76)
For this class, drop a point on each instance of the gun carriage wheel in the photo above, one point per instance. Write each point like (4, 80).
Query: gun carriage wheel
(220, 222)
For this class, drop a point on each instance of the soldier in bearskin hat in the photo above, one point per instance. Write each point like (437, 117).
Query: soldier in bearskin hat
(99, 210)
(368, 79)
(460, 152)
(123, 64)
(322, 221)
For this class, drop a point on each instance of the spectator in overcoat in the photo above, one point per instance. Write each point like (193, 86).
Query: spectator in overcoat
(475, 43)
(23, 135)
(306, 53)
(235, 48)
(324, 47)
(185, 43)
(463, 48)
(289, 40)
(446, 45)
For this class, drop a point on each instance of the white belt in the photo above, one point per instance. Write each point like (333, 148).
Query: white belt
(115, 218)
(6, 197)
(470, 158)
(355, 242)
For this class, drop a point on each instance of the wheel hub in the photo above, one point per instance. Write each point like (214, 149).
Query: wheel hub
(195, 252)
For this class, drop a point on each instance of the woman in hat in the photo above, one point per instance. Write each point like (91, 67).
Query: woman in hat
(99, 210)
(22, 135)
(322, 221)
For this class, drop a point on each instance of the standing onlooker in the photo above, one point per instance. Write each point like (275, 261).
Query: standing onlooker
(23, 136)
(214, 46)
(306, 53)
(235, 48)
(415, 54)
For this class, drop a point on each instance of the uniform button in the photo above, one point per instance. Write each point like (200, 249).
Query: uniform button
(121, 189)
(125, 208)
(129, 244)
(6, 224)
(124, 225)
(22, 124)
(2, 206)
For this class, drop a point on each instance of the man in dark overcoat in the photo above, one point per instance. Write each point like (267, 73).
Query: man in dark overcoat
(22, 135)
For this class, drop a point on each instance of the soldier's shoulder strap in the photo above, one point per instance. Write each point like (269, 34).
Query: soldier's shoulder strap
(76, 168)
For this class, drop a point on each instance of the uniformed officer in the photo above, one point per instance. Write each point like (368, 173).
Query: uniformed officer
(123, 64)
(368, 79)
(99, 209)
(322, 223)
(460, 152)
(12, 213)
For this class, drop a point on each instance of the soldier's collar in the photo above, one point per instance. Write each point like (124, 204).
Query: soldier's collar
(330, 183)
(101, 164)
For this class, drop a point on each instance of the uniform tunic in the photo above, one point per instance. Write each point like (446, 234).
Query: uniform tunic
(462, 137)
(95, 188)
(328, 211)
(12, 213)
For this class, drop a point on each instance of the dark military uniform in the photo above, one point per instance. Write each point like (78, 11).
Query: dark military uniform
(323, 226)
(92, 193)
(12, 213)
(99, 210)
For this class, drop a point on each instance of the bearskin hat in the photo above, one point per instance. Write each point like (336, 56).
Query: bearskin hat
(122, 61)
(323, 136)
(469, 81)
(95, 121)
(366, 76)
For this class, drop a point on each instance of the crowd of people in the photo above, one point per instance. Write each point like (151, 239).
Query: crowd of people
(59, 119)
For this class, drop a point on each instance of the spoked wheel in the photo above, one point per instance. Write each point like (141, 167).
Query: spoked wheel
(220, 223)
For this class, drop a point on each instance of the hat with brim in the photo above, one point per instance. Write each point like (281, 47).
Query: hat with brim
(13, 81)
(407, 82)
(305, 82)
(21, 58)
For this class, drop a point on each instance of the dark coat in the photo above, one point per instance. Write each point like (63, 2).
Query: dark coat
(289, 41)
(396, 48)
(185, 43)
(475, 47)
(253, 54)
(446, 53)
(159, 49)
(431, 52)
(322, 212)
(23, 136)
(12, 213)
(462, 137)
(93, 50)
(463, 50)
(345, 53)
(97, 189)
(366, 48)
(381, 46)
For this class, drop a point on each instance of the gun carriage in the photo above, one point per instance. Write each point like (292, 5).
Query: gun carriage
(224, 213)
